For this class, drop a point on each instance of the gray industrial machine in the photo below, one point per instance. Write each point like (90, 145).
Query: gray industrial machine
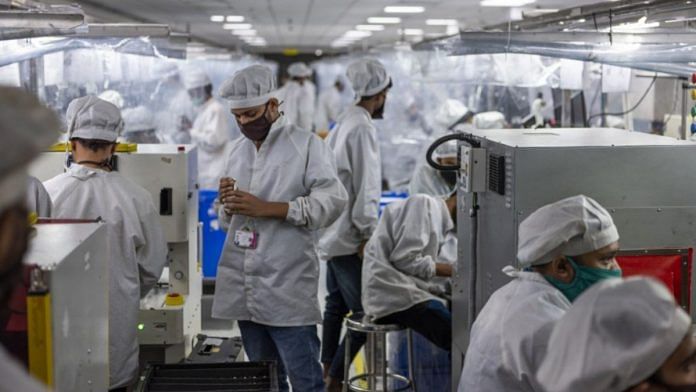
(647, 182)
(68, 306)
(170, 315)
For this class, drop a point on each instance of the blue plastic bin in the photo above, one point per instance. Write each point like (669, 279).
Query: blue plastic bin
(390, 197)
(213, 236)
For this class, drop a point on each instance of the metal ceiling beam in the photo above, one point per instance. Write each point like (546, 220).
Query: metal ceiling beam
(664, 37)
(39, 20)
(124, 30)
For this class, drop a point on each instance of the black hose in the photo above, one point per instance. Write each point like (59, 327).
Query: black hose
(444, 139)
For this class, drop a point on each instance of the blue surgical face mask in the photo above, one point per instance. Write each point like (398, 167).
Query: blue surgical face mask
(584, 278)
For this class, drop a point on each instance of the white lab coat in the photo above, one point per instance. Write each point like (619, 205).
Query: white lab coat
(298, 104)
(212, 136)
(354, 141)
(276, 284)
(38, 199)
(137, 249)
(329, 107)
(399, 264)
(537, 111)
(510, 335)
(172, 103)
(15, 377)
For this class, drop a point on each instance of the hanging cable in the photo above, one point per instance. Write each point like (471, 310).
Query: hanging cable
(645, 94)
(442, 140)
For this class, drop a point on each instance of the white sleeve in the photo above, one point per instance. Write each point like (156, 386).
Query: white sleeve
(410, 239)
(151, 249)
(212, 133)
(327, 196)
(363, 153)
(38, 199)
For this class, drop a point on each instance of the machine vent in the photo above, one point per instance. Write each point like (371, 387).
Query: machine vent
(496, 174)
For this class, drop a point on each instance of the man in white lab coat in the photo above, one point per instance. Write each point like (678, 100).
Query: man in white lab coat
(622, 336)
(90, 190)
(329, 106)
(210, 131)
(298, 96)
(280, 186)
(563, 249)
(26, 127)
(171, 104)
(407, 264)
(354, 141)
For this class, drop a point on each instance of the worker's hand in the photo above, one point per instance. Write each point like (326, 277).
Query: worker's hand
(361, 249)
(184, 124)
(244, 203)
(227, 186)
(443, 269)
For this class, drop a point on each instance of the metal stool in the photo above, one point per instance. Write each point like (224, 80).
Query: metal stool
(376, 333)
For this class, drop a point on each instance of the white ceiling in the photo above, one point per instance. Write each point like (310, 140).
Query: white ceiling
(303, 24)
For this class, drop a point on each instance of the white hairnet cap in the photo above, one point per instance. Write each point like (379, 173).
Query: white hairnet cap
(93, 118)
(570, 227)
(367, 77)
(617, 334)
(195, 78)
(449, 112)
(249, 87)
(299, 70)
(26, 128)
(138, 118)
(113, 96)
(489, 120)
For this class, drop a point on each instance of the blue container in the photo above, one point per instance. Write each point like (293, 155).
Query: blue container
(390, 197)
(213, 236)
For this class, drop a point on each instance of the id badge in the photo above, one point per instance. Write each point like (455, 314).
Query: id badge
(246, 238)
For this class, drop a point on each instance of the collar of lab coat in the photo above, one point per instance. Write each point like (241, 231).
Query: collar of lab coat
(82, 172)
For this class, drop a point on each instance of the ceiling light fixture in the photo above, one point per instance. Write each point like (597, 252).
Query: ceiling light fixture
(370, 27)
(441, 22)
(412, 32)
(242, 33)
(384, 20)
(217, 18)
(506, 3)
(236, 26)
(235, 18)
(397, 9)
(357, 34)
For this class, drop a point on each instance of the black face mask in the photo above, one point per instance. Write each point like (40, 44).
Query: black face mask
(258, 129)
(379, 112)
(450, 177)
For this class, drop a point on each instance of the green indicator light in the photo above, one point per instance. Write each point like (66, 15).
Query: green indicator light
(141, 327)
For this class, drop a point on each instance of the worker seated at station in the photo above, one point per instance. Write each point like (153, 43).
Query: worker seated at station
(406, 265)
(89, 189)
(622, 335)
(563, 249)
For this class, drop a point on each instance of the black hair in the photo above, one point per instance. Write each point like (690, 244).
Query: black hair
(208, 89)
(94, 145)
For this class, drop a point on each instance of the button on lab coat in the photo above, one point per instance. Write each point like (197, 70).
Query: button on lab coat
(211, 134)
(138, 251)
(510, 335)
(354, 141)
(399, 263)
(276, 284)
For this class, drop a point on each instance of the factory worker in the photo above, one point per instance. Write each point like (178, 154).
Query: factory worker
(354, 141)
(537, 110)
(29, 127)
(298, 96)
(171, 104)
(38, 200)
(90, 190)
(210, 130)
(139, 126)
(329, 107)
(415, 244)
(563, 249)
(622, 336)
(279, 187)
(435, 182)
(490, 120)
